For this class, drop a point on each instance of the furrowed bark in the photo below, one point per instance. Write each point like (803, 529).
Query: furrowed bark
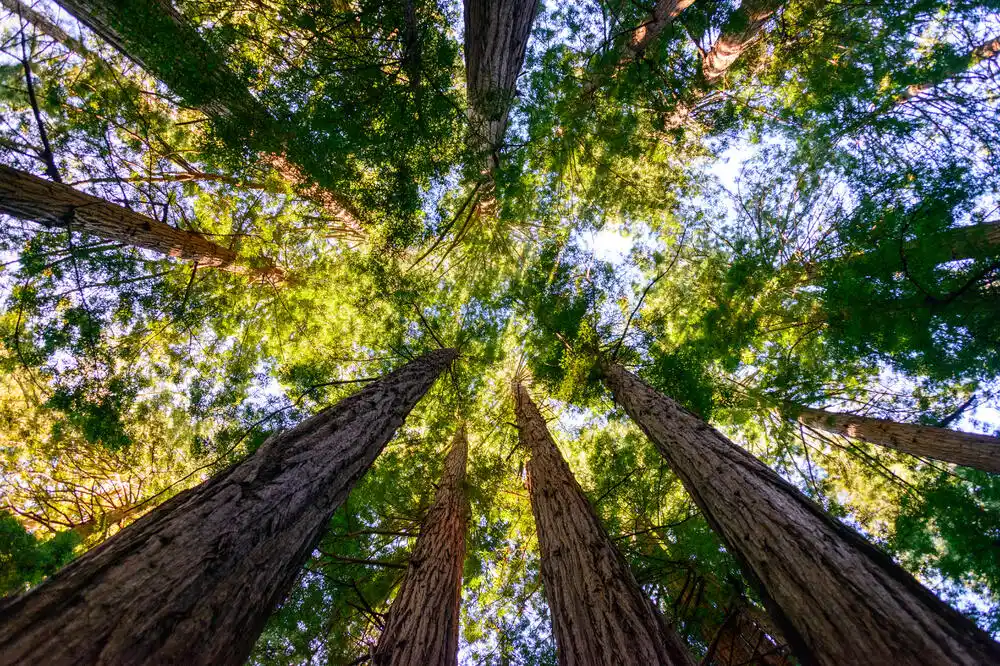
(422, 626)
(161, 41)
(961, 448)
(835, 597)
(28, 197)
(739, 33)
(496, 39)
(600, 615)
(193, 581)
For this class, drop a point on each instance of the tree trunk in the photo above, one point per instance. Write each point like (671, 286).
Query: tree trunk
(738, 34)
(193, 581)
(664, 13)
(988, 50)
(161, 41)
(836, 598)
(101, 522)
(961, 448)
(45, 25)
(496, 38)
(600, 615)
(29, 197)
(422, 627)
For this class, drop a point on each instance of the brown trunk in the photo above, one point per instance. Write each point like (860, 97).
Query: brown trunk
(422, 627)
(44, 24)
(961, 448)
(496, 38)
(739, 33)
(664, 13)
(29, 197)
(193, 581)
(160, 40)
(745, 639)
(836, 598)
(988, 50)
(600, 615)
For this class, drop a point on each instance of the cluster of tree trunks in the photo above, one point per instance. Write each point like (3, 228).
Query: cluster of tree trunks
(28, 197)
(961, 448)
(422, 625)
(600, 615)
(836, 598)
(194, 581)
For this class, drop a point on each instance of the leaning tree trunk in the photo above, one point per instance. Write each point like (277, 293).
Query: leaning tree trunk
(52, 204)
(738, 34)
(193, 581)
(961, 448)
(161, 41)
(835, 597)
(600, 615)
(422, 627)
(496, 38)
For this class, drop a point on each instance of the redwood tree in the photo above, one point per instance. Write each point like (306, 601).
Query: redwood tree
(194, 581)
(29, 197)
(961, 448)
(836, 598)
(600, 615)
(422, 626)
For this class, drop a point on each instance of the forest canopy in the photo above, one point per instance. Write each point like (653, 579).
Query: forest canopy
(396, 326)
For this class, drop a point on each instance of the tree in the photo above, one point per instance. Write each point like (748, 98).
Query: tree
(32, 198)
(835, 597)
(599, 613)
(422, 626)
(228, 549)
(496, 38)
(961, 448)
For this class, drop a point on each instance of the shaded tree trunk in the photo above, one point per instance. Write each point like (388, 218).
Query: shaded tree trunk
(738, 34)
(45, 25)
(987, 50)
(28, 197)
(961, 448)
(422, 626)
(600, 615)
(496, 38)
(836, 598)
(194, 581)
(159, 39)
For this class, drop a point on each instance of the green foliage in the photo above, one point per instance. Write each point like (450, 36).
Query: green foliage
(25, 560)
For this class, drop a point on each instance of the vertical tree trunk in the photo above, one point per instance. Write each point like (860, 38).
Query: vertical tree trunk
(835, 597)
(600, 615)
(159, 39)
(961, 448)
(29, 197)
(422, 627)
(740, 31)
(193, 581)
(496, 38)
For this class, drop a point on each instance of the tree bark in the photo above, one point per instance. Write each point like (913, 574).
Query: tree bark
(738, 34)
(988, 50)
(422, 626)
(664, 13)
(193, 581)
(836, 598)
(28, 197)
(160, 40)
(961, 448)
(496, 39)
(600, 615)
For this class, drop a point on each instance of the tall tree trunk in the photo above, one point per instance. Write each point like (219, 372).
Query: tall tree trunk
(600, 615)
(160, 40)
(836, 598)
(738, 34)
(193, 581)
(422, 627)
(987, 50)
(496, 38)
(663, 14)
(29, 197)
(961, 448)
(45, 25)
(101, 522)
